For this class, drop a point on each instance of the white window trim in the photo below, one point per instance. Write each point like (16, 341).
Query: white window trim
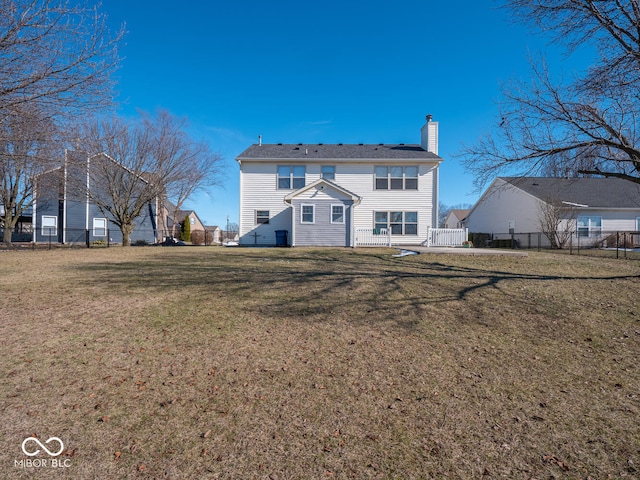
(49, 230)
(291, 176)
(302, 221)
(404, 222)
(591, 231)
(343, 213)
(389, 178)
(323, 173)
(262, 216)
(96, 227)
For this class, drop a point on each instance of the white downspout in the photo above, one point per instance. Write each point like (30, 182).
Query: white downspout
(86, 226)
(64, 199)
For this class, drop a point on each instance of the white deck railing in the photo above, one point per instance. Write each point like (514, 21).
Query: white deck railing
(370, 237)
(446, 237)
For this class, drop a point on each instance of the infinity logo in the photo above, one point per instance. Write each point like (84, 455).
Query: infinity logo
(38, 442)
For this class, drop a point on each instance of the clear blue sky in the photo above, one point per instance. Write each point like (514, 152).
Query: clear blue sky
(330, 72)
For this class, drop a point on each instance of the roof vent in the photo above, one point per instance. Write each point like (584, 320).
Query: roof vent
(279, 144)
(361, 144)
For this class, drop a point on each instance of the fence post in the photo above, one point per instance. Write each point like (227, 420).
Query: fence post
(108, 239)
(86, 237)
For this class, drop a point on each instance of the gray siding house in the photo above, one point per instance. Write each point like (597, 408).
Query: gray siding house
(63, 213)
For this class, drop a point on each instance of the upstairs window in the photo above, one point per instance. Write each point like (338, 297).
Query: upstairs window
(396, 177)
(328, 172)
(291, 177)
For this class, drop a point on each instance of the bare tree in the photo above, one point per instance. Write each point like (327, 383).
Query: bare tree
(138, 163)
(28, 143)
(200, 169)
(57, 54)
(589, 125)
(557, 222)
(56, 60)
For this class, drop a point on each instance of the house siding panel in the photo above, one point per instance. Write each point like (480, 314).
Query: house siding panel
(258, 187)
(322, 232)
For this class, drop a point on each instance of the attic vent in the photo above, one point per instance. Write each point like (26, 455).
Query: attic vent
(279, 144)
(339, 144)
(535, 184)
(299, 144)
(402, 144)
(297, 148)
(381, 144)
(361, 144)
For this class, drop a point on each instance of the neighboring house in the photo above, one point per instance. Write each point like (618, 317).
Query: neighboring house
(63, 212)
(594, 207)
(174, 218)
(213, 234)
(455, 218)
(321, 194)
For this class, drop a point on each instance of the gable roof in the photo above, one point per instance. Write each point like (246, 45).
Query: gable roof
(310, 152)
(322, 182)
(593, 192)
(460, 213)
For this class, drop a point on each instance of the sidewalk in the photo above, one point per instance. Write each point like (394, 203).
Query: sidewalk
(464, 251)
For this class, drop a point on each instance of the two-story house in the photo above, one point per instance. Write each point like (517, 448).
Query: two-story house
(321, 194)
(64, 213)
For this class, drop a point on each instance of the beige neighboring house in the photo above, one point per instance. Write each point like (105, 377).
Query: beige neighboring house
(456, 218)
(174, 218)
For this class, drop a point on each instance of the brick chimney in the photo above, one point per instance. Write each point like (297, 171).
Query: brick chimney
(429, 135)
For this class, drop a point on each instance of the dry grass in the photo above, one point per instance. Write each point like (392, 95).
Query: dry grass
(302, 363)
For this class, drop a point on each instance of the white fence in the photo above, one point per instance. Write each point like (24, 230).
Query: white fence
(370, 237)
(446, 237)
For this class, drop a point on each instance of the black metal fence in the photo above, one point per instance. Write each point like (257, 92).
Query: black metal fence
(50, 237)
(619, 244)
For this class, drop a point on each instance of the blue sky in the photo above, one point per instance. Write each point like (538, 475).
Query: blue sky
(312, 72)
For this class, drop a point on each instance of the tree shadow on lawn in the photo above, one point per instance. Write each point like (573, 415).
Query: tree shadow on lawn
(323, 284)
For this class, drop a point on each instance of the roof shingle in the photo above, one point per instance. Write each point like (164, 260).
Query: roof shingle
(310, 152)
(595, 192)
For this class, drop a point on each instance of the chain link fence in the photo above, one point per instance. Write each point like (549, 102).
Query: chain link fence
(618, 244)
(50, 237)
